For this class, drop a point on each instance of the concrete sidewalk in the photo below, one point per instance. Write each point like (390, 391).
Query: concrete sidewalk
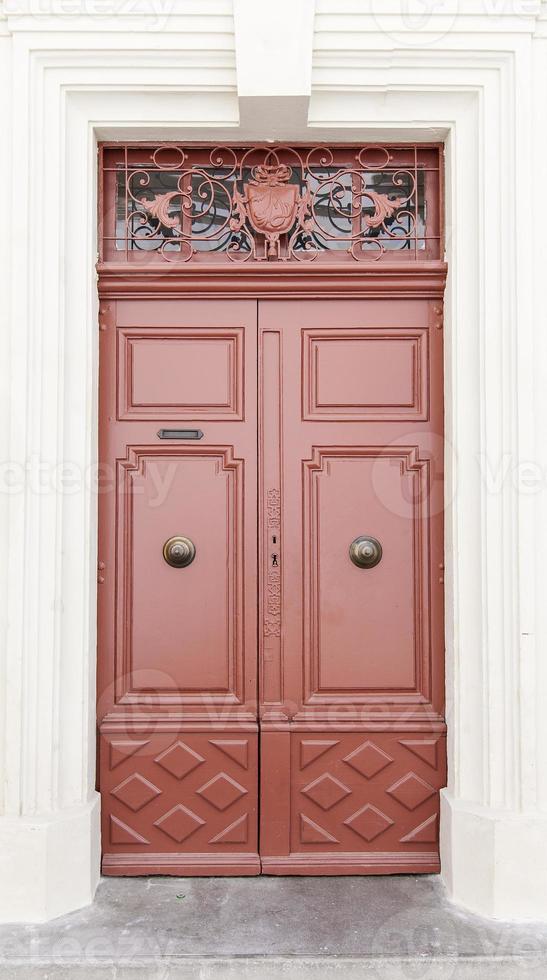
(393, 928)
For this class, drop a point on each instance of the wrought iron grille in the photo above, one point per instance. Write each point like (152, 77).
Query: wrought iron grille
(270, 203)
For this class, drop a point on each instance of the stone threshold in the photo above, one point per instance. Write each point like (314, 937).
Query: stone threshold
(287, 968)
(271, 928)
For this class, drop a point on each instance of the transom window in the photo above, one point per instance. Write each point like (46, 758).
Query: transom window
(269, 203)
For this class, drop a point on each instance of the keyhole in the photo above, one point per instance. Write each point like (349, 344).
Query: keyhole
(274, 561)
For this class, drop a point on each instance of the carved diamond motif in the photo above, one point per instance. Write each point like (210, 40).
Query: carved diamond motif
(122, 833)
(235, 833)
(123, 749)
(425, 833)
(369, 822)
(236, 749)
(424, 748)
(411, 790)
(222, 791)
(312, 748)
(326, 791)
(312, 833)
(368, 759)
(179, 823)
(135, 792)
(179, 759)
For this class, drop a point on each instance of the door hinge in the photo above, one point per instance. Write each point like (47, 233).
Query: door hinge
(104, 310)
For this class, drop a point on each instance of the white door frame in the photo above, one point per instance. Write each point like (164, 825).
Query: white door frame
(74, 86)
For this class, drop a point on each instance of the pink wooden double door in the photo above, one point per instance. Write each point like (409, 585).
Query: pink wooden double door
(270, 685)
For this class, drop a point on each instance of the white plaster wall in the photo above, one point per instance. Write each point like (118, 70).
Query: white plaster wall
(472, 73)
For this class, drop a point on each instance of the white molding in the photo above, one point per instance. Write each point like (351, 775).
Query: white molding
(274, 45)
(205, 20)
(494, 861)
(51, 863)
(413, 24)
(75, 82)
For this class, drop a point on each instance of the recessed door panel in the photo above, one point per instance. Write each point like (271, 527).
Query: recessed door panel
(345, 376)
(179, 628)
(181, 803)
(180, 373)
(370, 795)
(353, 734)
(361, 628)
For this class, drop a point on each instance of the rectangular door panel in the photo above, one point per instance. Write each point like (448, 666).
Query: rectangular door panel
(351, 446)
(179, 803)
(166, 647)
(344, 376)
(355, 803)
(180, 373)
(361, 633)
(177, 642)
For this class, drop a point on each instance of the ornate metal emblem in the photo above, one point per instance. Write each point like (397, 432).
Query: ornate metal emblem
(270, 205)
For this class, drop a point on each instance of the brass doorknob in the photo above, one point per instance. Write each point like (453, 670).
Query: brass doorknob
(365, 552)
(179, 551)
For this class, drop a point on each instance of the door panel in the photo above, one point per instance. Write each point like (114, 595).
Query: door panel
(174, 374)
(359, 634)
(355, 449)
(187, 652)
(179, 803)
(177, 665)
(345, 377)
(365, 802)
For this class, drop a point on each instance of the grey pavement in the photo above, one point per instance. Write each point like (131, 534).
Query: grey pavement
(348, 928)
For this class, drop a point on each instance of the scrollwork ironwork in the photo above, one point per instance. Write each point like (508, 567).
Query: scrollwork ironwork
(272, 203)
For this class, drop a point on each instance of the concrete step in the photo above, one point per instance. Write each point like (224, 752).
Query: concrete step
(270, 928)
(288, 968)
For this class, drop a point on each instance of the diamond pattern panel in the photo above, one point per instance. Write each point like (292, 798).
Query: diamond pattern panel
(179, 823)
(368, 822)
(411, 790)
(221, 791)
(367, 792)
(326, 791)
(368, 759)
(179, 759)
(170, 793)
(136, 792)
